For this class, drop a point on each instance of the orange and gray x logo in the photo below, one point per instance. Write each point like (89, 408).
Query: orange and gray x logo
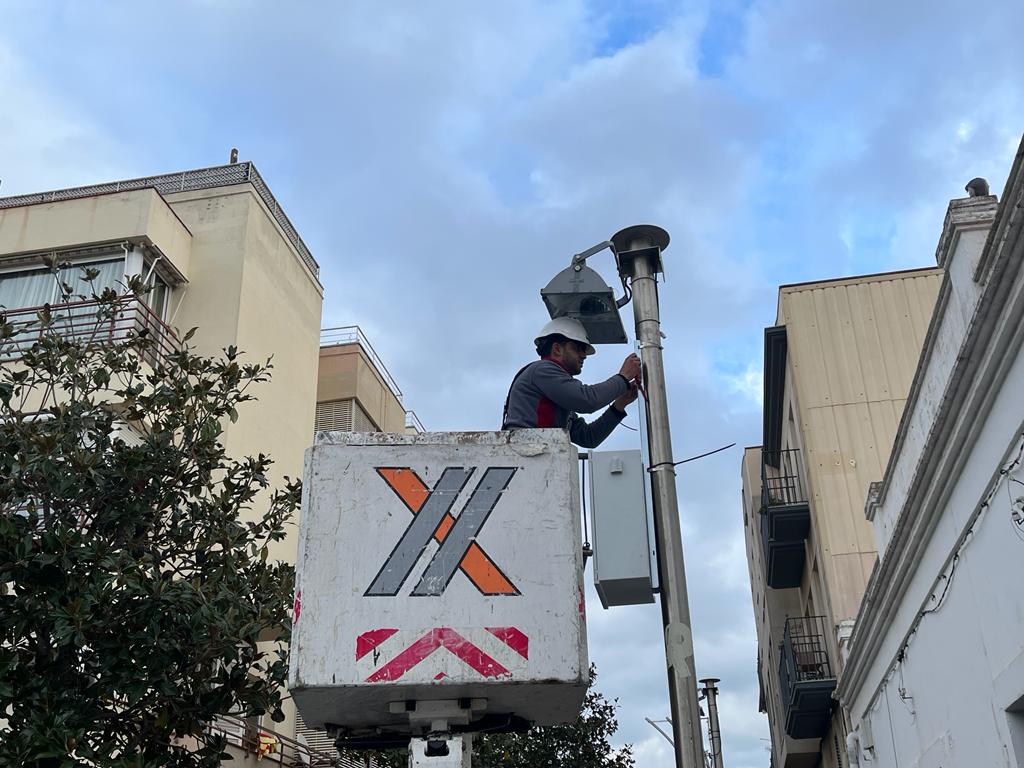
(433, 520)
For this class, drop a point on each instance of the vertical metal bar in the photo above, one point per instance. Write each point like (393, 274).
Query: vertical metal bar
(714, 732)
(675, 607)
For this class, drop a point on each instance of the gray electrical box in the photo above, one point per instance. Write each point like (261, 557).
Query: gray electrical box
(622, 549)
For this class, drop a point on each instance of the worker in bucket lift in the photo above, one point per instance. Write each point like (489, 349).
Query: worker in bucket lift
(545, 393)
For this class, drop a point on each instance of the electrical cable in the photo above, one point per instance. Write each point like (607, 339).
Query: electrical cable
(945, 589)
(653, 467)
(1004, 472)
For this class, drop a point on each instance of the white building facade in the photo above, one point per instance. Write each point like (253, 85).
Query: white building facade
(935, 673)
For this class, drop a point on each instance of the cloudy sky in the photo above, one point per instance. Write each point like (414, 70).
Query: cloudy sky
(442, 160)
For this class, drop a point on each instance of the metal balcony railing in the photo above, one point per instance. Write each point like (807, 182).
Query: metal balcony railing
(781, 484)
(785, 517)
(806, 676)
(274, 748)
(91, 322)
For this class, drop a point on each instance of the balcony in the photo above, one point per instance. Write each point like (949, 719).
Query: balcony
(806, 677)
(90, 322)
(785, 517)
(274, 749)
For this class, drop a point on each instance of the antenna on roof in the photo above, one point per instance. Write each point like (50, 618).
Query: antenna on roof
(234, 156)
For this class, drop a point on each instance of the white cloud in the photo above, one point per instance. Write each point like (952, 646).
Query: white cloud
(443, 164)
(654, 751)
(748, 384)
(44, 143)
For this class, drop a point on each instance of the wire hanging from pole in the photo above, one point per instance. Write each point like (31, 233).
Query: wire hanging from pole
(692, 458)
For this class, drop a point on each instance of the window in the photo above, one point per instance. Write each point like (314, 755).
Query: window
(24, 288)
(27, 287)
(158, 294)
(111, 275)
(31, 288)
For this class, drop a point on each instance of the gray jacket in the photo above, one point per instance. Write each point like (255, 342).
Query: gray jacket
(544, 394)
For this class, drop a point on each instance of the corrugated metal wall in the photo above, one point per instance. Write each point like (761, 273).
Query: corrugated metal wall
(853, 349)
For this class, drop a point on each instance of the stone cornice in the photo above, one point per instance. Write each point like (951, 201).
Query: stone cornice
(964, 213)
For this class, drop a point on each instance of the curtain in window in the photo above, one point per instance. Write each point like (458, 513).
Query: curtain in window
(111, 275)
(31, 288)
(77, 321)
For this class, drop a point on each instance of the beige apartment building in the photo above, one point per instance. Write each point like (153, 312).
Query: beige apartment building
(355, 391)
(838, 365)
(223, 257)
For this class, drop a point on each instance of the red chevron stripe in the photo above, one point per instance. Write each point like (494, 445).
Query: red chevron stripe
(367, 641)
(441, 637)
(513, 638)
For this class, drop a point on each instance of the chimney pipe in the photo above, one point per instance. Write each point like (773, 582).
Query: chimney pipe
(977, 187)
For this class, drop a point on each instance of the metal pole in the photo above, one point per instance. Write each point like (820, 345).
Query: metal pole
(654, 724)
(714, 732)
(641, 267)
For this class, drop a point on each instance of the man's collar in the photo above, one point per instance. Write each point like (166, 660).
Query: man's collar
(558, 363)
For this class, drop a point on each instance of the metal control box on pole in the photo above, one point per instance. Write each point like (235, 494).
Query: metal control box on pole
(622, 549)
(638, 250)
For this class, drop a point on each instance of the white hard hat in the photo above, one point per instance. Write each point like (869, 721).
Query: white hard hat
(569, 327)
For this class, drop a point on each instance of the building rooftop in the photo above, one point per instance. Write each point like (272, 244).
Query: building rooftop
(868, 278)
(182, 181)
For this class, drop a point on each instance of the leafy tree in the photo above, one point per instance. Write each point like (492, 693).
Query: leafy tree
(585, 743)
(137, 598)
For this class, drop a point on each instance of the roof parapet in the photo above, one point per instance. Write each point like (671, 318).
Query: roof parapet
(183, 181)
(964, 214)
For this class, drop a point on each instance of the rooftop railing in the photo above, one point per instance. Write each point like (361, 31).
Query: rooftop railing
(353, 334)
(412, 421)
(184, 181)
(91, 322)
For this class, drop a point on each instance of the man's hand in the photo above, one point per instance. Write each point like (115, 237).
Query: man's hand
(622, 401)
(630, 370)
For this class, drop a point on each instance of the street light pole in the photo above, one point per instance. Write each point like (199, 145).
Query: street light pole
(714, 731)
(639, 254)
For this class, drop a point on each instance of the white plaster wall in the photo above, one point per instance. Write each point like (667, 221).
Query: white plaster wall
(964, 666)
(951, 660)
(957, 302)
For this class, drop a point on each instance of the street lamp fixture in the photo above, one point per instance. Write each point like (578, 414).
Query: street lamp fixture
(580, 292)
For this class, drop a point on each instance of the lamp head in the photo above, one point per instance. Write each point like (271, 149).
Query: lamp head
(579, 292)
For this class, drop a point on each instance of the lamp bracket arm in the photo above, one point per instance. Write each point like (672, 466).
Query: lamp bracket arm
(582, 256)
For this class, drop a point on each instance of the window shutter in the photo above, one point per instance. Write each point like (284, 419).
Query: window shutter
(334, 416)
(343, 416)
(318, 741)
(361, 421)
